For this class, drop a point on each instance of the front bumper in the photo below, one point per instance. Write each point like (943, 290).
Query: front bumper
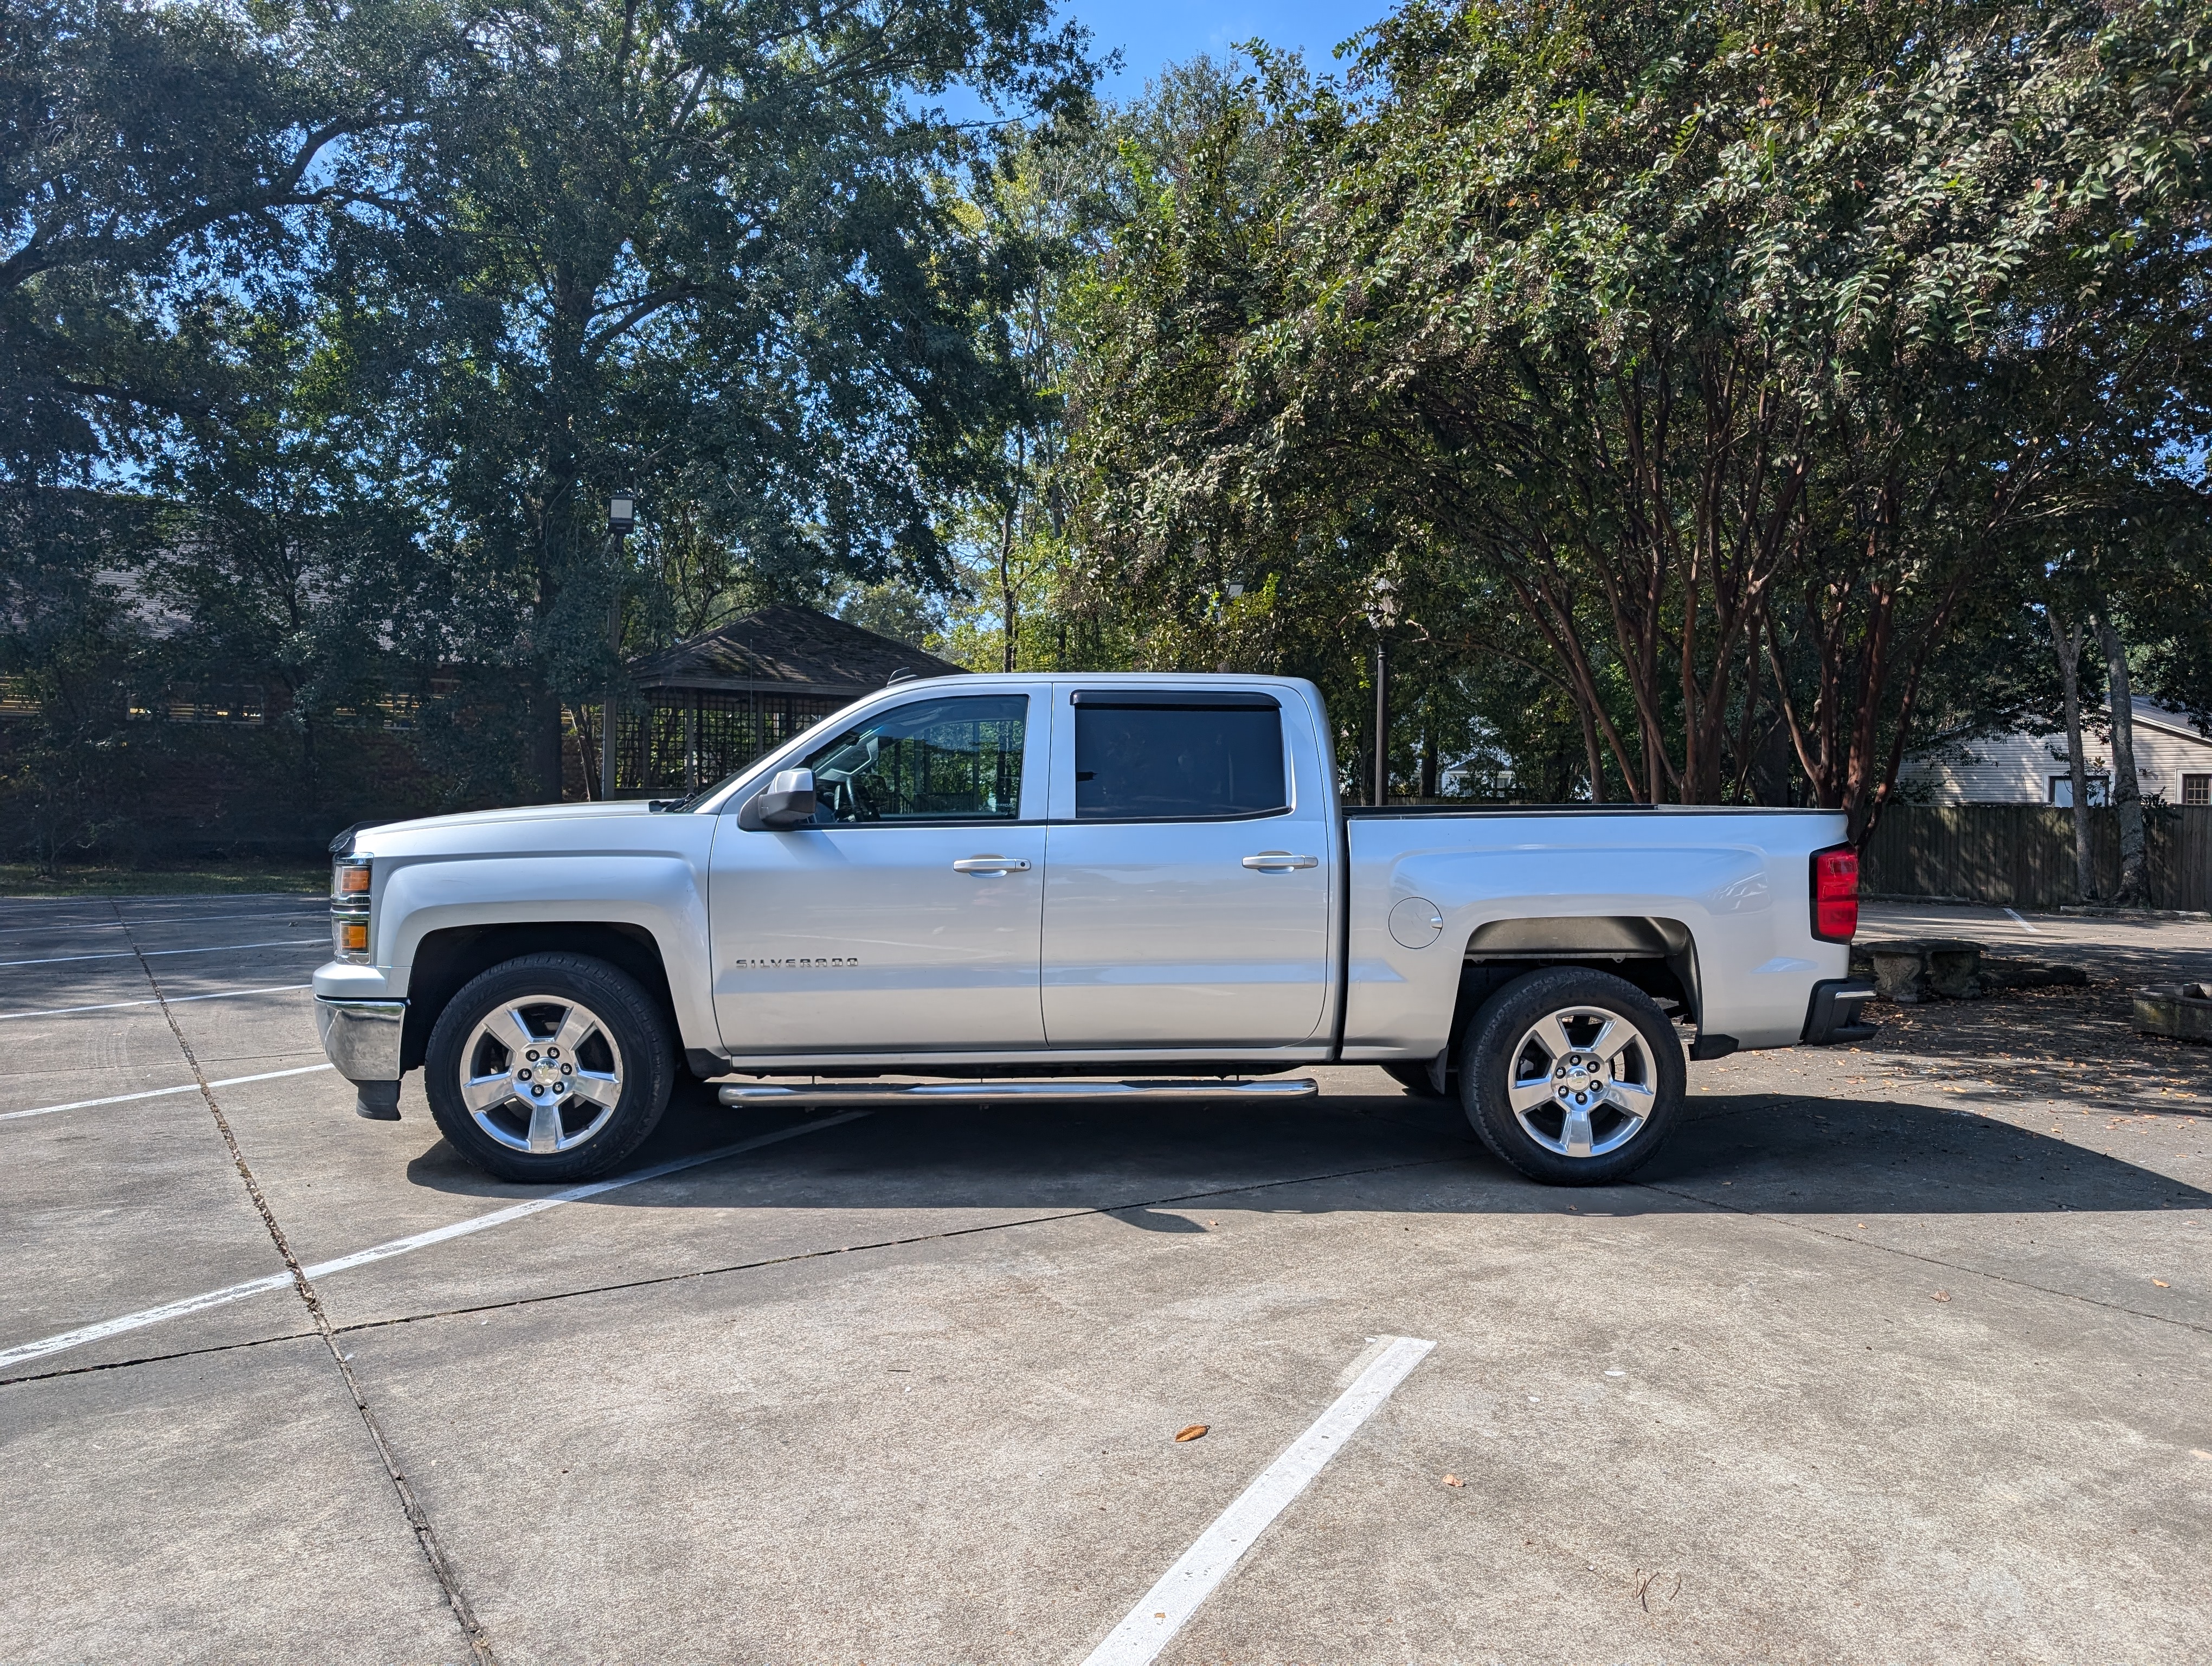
(1833, 1013)
(362, 1040)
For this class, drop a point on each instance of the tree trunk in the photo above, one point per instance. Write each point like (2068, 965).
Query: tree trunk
(1008, 652)
(1591, 753)
(545, 744)
(2067, 645)
(2127, 797)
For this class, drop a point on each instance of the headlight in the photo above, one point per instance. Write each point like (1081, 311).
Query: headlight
(350, 877)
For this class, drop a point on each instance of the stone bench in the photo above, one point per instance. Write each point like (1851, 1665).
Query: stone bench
(1911, 969)
(2183, 1011)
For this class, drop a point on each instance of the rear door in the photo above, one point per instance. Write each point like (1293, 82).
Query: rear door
(907, 918)
(1188, 878)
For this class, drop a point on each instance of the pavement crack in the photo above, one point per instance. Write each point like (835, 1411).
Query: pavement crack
(1959, 1267)
(137, 1359)
(879, 1244)
(441, 1569)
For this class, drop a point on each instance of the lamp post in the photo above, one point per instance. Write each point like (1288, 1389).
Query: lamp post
(622, 518)
(1382, 613)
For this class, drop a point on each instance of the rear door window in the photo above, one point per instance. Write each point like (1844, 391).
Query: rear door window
(1146, 757)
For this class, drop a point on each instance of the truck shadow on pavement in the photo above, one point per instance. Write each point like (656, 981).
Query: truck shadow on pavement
(1145, 1165)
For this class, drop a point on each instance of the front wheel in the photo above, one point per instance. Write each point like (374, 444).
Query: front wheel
(1573, 1077)
(548, 1068)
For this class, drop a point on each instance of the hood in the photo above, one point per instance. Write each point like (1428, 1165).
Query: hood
(520, 812)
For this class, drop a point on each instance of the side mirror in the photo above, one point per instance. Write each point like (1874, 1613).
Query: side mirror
(787, 803)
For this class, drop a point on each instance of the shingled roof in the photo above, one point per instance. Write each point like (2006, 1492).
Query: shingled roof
(786, 650)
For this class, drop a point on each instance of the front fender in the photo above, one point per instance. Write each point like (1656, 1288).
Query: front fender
(660, 892)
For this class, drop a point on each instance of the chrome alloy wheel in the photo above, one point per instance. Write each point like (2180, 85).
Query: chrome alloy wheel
(1583, 1082)
(541, 1074)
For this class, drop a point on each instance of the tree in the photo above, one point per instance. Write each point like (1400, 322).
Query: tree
(708, 252)
(1744, 347)
(153, 152)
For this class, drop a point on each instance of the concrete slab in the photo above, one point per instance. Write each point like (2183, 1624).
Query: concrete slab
(70, 982)
(226, 1509)
(102, 1215)
(60, 1060)
(963, 1449)
(1911, 1337)
(891, 1176)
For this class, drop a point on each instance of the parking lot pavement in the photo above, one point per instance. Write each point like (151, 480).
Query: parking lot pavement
(2141, 944)
(1896, 1353)
(224, 1507)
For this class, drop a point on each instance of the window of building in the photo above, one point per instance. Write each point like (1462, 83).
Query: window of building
(2061, 790)
(2196, 789)
(935, 760)
(1146, 757)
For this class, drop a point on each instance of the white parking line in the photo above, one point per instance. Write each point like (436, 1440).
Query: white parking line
(161, 1093)
(2024, 925)
(218, 948)
(1147, 1628)
(233, 1292)
(12, 924)
(174, 1001)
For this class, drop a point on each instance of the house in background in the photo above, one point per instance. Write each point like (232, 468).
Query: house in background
(711, 705)
(2173, 762)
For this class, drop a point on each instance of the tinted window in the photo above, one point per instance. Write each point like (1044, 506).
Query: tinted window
(1158, 760)
(957, 759)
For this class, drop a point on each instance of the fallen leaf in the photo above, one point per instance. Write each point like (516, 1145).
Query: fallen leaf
(1191, 1433)
(2196, 1451)
(1454, 1480)
(1940, 1296)
(2161, 1283)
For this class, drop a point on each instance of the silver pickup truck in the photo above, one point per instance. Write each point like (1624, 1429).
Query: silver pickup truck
(1052, 888)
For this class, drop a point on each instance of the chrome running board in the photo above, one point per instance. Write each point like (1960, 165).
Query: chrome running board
(1067, 1090)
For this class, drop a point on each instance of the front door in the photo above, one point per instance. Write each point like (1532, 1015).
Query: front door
(906, 919)
(1187, 897)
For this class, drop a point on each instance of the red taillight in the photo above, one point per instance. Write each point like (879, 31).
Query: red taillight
(1836, 894)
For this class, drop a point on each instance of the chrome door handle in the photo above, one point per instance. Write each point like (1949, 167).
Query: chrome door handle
(990, 864)
(1276, 861)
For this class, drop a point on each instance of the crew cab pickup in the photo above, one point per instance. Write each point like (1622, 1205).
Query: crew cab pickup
(1049, 888)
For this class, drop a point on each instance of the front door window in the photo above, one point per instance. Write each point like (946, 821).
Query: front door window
(957, 759)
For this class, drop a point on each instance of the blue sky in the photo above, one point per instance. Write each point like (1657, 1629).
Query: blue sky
(1154, 32)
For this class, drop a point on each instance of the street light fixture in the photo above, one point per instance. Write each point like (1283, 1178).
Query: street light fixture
(621, 521)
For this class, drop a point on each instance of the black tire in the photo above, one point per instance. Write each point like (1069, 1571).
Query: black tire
(1414, 1079)
(624, 1054)
(1644, 1072)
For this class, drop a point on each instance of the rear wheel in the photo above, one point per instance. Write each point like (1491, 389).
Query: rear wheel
(550, 1067)
(1573, 1077)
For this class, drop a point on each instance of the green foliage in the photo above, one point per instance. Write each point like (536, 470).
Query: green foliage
(1704, 404)
(379, 305)
(1738, 352)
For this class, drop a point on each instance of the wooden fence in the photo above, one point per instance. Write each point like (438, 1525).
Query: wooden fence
(2023, 855)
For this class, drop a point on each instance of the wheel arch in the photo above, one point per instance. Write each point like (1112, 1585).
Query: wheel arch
(445, 960)
(1656, 955)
